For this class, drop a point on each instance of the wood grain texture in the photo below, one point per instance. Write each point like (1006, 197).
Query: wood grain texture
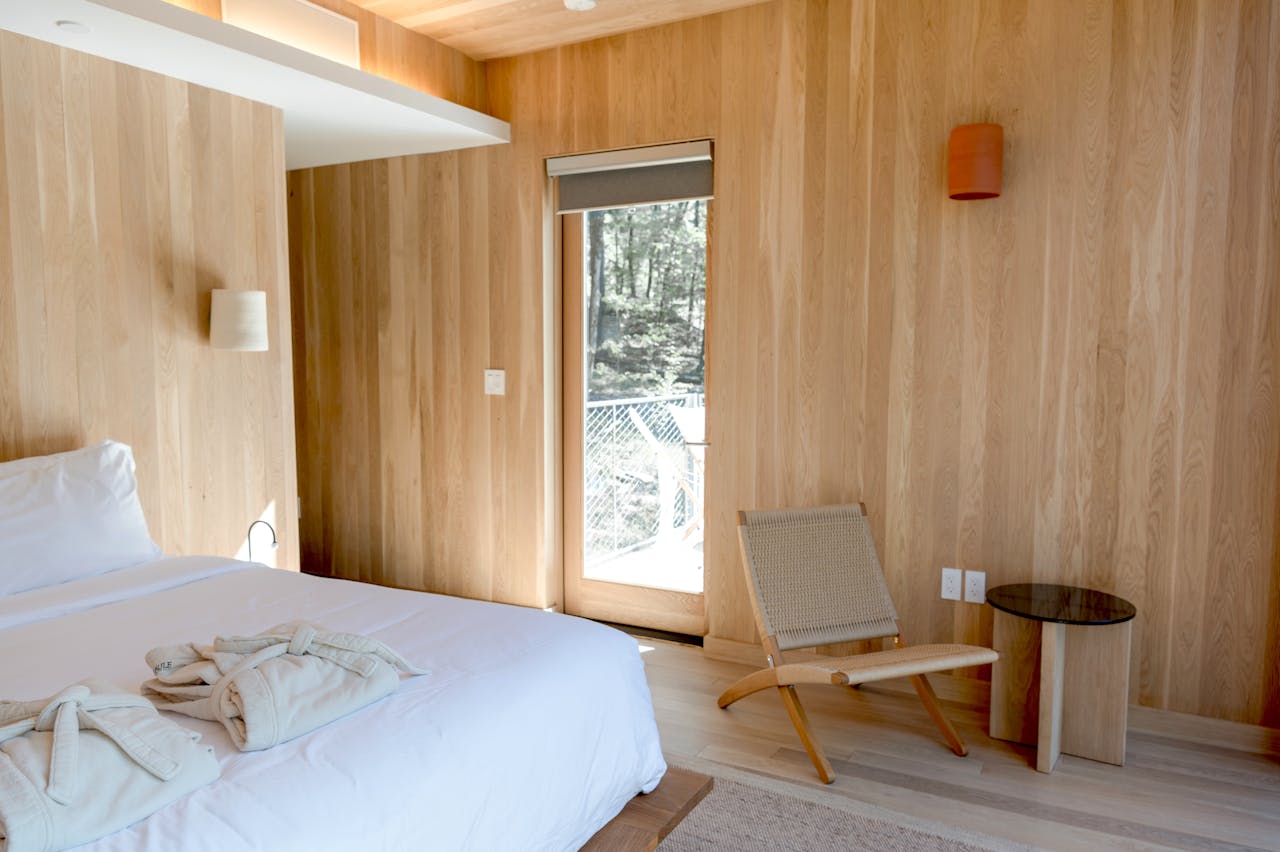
(494, 28)
(1189, 782)
(394, 270)
(1075, 382)
(1015, 679)
(125, 197)
(1053, 653)
(648, 818)
(1095, 691)
(1094, 686)
(396, 53)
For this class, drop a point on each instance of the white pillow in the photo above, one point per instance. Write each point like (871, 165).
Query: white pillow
(69, 516)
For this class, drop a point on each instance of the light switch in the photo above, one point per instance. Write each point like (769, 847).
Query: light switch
(495, 382)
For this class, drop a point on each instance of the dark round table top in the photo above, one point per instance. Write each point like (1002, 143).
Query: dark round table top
(1063, 604)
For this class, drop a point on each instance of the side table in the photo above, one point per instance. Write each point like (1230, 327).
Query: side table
(1062, 681)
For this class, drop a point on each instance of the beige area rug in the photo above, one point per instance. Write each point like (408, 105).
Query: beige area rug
(746, 811)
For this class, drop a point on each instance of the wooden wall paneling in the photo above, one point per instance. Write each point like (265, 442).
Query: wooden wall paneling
(551, 573)
(401, 479)
(573, 330)
(1198, 357)
(1017, 302)
(336, 348)
(1073, 382)
(475, 457)
(399, 54)
(908, 504)
(1247, 433)
(127, 197)
(724, 382)
(396, 53)
(1119, 491)
(302, 268)
(177, 300)
(977, 247)
(279, 397)
(211, 120)
(56, 211)
(10, 341)
(22, 192)
(507, 27)
(1269, 259)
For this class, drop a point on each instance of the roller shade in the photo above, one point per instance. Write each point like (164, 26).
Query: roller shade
(632, 176)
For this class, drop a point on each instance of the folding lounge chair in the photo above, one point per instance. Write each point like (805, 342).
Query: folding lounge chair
(815, 579)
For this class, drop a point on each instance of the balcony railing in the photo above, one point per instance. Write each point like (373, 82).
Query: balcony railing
(642, 482)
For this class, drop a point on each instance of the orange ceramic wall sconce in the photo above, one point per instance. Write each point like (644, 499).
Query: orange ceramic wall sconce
(975, 161)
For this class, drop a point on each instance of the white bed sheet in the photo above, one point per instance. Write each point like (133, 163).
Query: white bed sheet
(531, 731)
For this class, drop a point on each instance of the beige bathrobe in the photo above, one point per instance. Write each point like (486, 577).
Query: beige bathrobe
(87, 762)
(275, 686)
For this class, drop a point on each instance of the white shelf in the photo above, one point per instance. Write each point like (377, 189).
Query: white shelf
(332, 113)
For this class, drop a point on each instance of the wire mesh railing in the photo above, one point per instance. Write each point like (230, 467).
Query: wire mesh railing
(642, 482)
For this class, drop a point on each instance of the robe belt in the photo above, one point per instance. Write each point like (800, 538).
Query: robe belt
(76, 709)
(351, 651)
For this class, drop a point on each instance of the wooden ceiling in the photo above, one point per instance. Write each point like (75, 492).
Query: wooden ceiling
(486, 29)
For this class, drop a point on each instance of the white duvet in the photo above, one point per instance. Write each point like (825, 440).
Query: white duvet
(531, 732)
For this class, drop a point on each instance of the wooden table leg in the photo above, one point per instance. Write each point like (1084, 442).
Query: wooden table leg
(1052, 661)
(1015, 678)
(1096, 691)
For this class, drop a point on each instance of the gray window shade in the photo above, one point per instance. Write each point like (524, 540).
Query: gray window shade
(624, 187)
(634, 176)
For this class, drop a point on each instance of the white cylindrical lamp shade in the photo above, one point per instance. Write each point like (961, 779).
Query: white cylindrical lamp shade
(238, 320)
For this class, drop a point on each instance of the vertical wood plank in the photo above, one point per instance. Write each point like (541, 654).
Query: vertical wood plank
(116, 187)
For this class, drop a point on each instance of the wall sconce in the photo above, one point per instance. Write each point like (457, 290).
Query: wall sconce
(975, 161)
(238, 320)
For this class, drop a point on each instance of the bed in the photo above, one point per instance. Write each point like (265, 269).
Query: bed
(531, 731)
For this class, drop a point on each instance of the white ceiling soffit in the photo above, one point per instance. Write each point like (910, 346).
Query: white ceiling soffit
(332, 113)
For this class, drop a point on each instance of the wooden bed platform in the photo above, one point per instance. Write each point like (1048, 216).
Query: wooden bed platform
(647, 819)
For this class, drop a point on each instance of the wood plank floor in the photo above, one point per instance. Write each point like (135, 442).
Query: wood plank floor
(1188, 782)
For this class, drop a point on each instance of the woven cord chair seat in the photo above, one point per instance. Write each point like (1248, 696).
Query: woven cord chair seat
(900, 662)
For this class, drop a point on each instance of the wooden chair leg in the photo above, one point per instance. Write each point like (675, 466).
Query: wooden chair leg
(795, 710)
(930, 700)
(753, 682)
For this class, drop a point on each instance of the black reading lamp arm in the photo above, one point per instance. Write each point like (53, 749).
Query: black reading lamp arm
(249, 535)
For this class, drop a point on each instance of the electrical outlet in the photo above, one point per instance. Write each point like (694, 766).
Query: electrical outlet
(975, 586)
(951, 584)
(495, 382)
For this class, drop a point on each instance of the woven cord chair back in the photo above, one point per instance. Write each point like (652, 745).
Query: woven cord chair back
(816, 576)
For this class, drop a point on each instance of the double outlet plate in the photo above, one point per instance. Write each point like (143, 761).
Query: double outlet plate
(973, 585)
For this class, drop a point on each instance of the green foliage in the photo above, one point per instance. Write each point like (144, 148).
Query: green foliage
(647, 270)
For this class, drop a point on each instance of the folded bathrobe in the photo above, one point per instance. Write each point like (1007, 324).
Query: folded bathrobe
(87, 762)
(270, 688)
